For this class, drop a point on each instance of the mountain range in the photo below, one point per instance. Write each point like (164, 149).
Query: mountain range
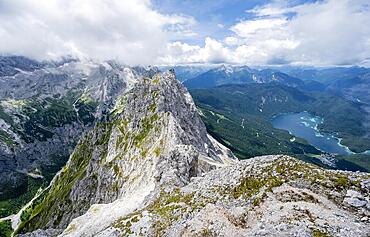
(351, 82)
(104, 149)
(226, 74)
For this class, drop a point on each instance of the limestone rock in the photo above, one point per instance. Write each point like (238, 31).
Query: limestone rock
(151, 141)
(354, 199)
(149, 168)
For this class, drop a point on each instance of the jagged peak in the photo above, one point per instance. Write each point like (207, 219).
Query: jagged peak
(152, 139)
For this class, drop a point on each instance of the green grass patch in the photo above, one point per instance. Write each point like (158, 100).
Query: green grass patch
(6, 228)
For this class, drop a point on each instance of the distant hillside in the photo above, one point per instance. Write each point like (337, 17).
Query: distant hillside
(327, 75)
(240, 116)
(240, 75)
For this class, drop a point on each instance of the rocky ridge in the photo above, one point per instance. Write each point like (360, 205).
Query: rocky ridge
(46, 107)
(263, 196)
(149, 168)
(153, 139)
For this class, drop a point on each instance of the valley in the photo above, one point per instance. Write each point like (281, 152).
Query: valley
(224, 108)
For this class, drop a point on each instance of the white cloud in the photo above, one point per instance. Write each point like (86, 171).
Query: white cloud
(247, 28)
(179, 53)
(130, 31)
(331, 32)
(231, 41)
(275, 8)
(214, 51)
(320, 33)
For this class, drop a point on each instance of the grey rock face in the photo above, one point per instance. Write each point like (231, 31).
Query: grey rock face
(11, 65)
(263, 196)
(355, 199)
(43, 233)
(151, 140)
(45, 109)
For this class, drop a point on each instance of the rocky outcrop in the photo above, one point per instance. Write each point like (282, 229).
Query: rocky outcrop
(264, 196)
(356, 199)
(151, 141)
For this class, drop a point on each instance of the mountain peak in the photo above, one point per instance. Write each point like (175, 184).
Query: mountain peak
(227, 69)
(153, 139)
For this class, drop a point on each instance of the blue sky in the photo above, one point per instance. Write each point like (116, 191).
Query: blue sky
(142, 32)
(214, 17)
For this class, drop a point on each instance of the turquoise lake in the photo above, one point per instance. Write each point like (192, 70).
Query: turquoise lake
(305, 125)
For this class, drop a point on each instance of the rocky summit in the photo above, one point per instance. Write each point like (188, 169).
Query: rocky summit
(147, 167)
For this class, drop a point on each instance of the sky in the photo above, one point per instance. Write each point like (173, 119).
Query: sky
(174, 32)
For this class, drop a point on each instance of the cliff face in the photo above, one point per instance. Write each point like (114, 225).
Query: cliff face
(44, 110)
(152, 140)
(149, 168)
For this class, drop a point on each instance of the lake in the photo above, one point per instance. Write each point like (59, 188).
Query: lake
(305, 125)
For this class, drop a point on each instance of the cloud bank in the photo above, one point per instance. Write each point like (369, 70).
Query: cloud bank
(130, 31)
(329, 32)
